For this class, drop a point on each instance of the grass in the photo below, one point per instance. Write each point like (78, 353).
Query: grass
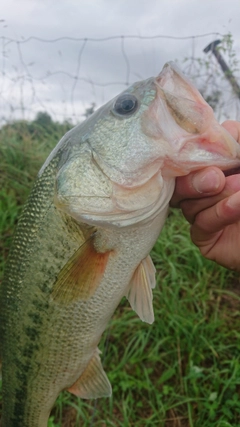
(184, 370)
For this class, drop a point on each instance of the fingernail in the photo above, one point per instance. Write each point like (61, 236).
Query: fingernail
(206, 182)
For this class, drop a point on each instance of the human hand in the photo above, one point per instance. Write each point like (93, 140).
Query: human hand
(211, 203)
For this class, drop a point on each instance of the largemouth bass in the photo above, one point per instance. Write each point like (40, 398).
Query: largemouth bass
(84, 237)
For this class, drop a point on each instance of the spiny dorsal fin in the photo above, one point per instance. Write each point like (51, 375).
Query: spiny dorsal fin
(93, 383)
(80, 277)
(140, 290)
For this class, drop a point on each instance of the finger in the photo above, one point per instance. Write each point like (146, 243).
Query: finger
(216, 218)
(192, 207)
(212, 225)
(233, 128)
(207, 182)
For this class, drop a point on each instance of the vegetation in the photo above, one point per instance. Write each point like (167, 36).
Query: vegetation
(182, 371)
(212, 82)
(23, 148)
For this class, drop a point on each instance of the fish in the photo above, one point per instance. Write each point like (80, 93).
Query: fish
(83, 240)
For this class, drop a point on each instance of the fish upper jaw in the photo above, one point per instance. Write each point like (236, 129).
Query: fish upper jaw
(180, 120)
(172, 80)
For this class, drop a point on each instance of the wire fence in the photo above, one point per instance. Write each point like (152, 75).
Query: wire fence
(67, 77)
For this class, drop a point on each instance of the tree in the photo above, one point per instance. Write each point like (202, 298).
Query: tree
(43, 119)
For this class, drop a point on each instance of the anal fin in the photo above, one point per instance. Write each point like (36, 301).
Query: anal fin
(140, 288)
(93, 383)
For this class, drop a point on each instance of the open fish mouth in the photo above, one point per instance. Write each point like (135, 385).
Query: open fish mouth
(232, 171)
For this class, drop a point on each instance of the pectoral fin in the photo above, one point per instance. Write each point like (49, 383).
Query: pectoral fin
(81, 275)
(140, 290)
(93, 383)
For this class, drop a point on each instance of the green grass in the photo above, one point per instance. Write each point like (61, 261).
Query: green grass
(182, 371)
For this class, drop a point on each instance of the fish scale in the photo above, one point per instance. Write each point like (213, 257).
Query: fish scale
(84, 237)
(43, 336)
(19, 259)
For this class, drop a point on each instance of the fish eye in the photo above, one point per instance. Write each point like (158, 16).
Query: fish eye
(125, 105)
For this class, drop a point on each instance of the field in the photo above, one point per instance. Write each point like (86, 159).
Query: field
(182, 371)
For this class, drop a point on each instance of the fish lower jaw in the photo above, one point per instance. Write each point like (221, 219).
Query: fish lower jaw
(201, 151)
(184, 163)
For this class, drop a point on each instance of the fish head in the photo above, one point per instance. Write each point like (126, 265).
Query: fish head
(118, 168)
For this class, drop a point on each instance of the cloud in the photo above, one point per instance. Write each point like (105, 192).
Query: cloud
(70, 72)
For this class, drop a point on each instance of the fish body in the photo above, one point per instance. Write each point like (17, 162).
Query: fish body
(84, 237)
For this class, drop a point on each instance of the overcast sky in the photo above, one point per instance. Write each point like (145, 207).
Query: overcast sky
(64, 77)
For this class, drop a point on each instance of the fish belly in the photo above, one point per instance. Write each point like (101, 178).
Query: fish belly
(48, 344)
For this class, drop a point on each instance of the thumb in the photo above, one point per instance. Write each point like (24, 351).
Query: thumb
(207, 182)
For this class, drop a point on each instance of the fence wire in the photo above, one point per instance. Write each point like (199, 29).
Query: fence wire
(65, 76)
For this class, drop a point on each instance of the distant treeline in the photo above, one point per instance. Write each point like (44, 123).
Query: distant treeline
(41, 127)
